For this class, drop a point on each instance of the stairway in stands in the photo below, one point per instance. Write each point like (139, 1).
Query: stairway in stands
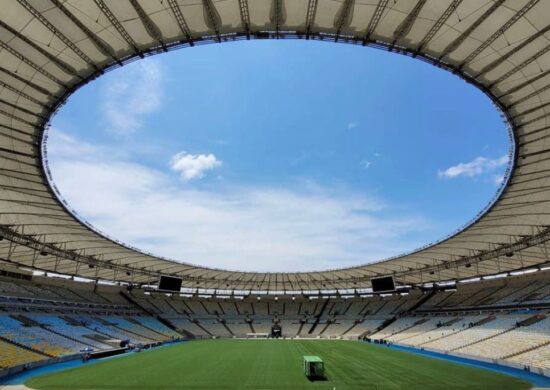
(527, 322)
(318, 317)
(226, 327)
(478, 323)
(390, 321)
(164, 321)
(350, 328)
(203, 328)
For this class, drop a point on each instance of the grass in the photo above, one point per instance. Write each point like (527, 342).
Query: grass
(275, 364)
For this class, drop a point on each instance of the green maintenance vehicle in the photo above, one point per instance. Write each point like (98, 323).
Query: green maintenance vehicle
(314, 367)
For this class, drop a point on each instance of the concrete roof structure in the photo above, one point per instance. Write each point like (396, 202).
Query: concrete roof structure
(50, 48)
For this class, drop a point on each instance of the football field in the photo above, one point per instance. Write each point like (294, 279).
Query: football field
(274, 364)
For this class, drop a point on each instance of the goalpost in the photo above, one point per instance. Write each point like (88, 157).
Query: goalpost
(257, 335)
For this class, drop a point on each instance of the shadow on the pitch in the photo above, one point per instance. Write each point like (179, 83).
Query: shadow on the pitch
(317, 378)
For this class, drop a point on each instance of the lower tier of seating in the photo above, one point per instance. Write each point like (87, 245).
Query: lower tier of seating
(11, 355)
(517, 338)
(30, 337)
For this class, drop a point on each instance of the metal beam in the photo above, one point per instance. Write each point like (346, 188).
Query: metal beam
(438, 24)
(343, 17)
(99, 43)
(69, 43)
(524, 43)
(462, 37)
(212, 17)
(376, 16)
(310, 16)
(517, 16)
(36, 67)
(116, 24)
(245, 16)
(150, 26)
(405, 27)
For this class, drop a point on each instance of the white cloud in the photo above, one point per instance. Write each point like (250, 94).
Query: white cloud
(498, 179)
(193, 166)
(131, 95)
(365, 164)
(353, 125)
(261, 228)
(476, 167)
(220, 141)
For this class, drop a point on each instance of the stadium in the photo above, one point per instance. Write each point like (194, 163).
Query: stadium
(469, 311)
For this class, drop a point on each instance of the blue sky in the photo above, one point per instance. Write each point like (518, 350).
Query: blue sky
(278, 155)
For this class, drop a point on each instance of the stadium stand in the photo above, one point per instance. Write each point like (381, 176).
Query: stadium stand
(503, 321)
(239, 329)
(11, 355)
(156, 326)
(33, 337)
(50, 51)
(61, 326)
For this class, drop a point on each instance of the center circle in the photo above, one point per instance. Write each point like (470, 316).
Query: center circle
(278, 156)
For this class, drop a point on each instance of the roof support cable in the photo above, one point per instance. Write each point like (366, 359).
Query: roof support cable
(150, 26)
(15, 117)
(531, 110)
(438, 24)
(245, 16)
(517, 16)
(527, 83)
(502, 250)
(32, 243)
(11, 133)
(69, 43)
(462, 37)
(343, 17)
(516, 49)
(22, 109)
(530, 96)
(519, 67)
(405, 27)
(24, 59)
(17, 153)
(28, 83)
(99, 43)
(117, 25)
(181, 20)
(212, 17)
(376, 16)
(310, 17)
(534, 120)
(277, 15)
(60, 64)
(23, 95)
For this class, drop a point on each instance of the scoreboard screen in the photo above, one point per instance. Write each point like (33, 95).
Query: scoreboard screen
(383, 284)
(169, 283)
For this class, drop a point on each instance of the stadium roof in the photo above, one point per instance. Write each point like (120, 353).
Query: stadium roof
(49, 48)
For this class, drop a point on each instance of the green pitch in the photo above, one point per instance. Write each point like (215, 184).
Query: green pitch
(275, 364)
